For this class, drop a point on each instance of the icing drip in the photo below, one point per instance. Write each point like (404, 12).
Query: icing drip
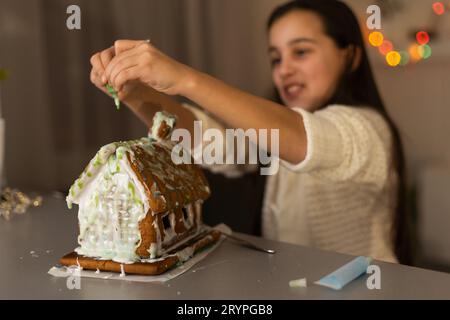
(158, 120)
(155, 248)
(185, 254)
(109, 217)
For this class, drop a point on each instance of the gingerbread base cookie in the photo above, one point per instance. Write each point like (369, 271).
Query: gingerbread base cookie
(149, 267)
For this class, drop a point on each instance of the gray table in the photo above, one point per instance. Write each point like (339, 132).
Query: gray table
(230, 272)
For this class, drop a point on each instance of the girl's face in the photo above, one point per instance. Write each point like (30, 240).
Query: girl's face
(306, 63)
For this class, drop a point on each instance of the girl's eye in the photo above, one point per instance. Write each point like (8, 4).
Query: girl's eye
(301, 52)
(275, 61)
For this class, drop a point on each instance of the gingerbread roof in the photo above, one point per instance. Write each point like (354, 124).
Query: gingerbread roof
(167, 185)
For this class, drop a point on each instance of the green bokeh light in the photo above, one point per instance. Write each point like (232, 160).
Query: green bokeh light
(404, 58)
(425, 51)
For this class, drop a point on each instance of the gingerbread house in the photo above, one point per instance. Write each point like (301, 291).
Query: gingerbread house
(139, 212)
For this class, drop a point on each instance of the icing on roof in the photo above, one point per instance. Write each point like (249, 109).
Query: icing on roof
(166, 184)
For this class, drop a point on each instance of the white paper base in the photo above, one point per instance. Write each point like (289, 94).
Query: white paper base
(64, 272)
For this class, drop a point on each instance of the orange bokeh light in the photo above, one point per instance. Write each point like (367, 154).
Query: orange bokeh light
(376, 38)
(414, 52)
(393, 58)
(385, 47)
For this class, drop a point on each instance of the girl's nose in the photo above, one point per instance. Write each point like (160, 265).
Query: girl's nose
(286, 68)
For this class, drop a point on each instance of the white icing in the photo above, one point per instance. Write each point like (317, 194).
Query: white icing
(149, 260)
(157, 121)
(153, 250)
(110, 210)
(298, 283)
(140, 188)
(155, 247)
(185, 254)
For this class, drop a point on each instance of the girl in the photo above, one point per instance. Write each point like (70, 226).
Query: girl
(340, 184)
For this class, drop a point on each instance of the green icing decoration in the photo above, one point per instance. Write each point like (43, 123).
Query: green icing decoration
(121, 150)
(97, 161)
(133, 193)
(114, 95)
(131, 188)
(96, 199)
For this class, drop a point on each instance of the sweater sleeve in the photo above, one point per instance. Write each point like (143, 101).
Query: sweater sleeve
(346, 144)
(209, 122)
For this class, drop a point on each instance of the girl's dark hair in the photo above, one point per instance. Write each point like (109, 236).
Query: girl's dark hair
(358, 88)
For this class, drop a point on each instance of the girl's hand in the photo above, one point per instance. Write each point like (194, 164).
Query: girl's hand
(99, 61)
(143, 63)
(131, 94)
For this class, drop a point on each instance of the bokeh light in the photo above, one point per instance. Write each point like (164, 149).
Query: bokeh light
(438, 8)
(404, 58)
(414, 53)
(385, 47)
(393, 58)
(425, 51)
(376, 38)
(422, 37)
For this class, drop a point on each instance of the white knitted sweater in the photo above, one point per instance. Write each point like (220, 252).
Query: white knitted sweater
(340, 198)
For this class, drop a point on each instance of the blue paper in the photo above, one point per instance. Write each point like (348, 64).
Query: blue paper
(345, 274)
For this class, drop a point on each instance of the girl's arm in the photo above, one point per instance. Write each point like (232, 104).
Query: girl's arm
(146, 64)
(239, 109)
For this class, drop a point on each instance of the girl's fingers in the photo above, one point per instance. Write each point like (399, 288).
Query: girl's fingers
(126, 75)
(105, 57)
(125, 45)
(117, 82)
(95, 79)
(127, 63)
(95, 60)
(96, 63)
(127, 89)
(123, 61)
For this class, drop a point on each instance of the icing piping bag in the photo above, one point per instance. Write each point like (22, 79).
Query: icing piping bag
(345, 274)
